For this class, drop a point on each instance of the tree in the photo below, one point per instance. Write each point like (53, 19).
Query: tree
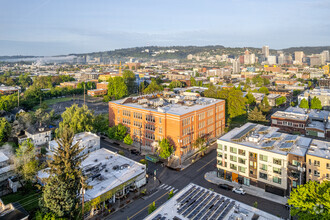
(101, 123)
(117, 132)
(281, 100)
(165, 148)
(42, 117)
(251, 100)
(256, 116)
(311, 200)
(26, 164)
(117, 88)
(264, 105)
(170, 194)
(264, 90)
(211, 92)
(175, 84)
(65, 174)
(309, 84)
(129, 78)
(5, 129)
(153, 87)
(304, 104)
(236, 103)
(193, 81)
(151, 208)
(316, 103)
(128, 140)
(78, 119)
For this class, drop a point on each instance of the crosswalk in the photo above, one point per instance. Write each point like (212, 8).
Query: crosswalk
(168, 188)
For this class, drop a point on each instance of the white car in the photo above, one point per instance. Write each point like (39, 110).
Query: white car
(239, 191)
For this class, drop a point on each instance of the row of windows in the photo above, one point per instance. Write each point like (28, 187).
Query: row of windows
(126, 121)
(137, 115)
(210, 121)
(317, 163)
(209, 113)
(219, 108)
(126, 113)
(149, 127)
(201, 116)
(187, 131)
(201, 125)
(150, 136)
(290, 124)
(137, 124)
(187, 121)
(150, 118)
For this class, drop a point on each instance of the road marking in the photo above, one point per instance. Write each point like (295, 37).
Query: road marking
(147, 206)
(167, 188)
(161, 185)
(206, 165)
(175, 190)
(171, 188)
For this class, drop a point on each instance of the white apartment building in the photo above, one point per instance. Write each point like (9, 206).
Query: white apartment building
(87, 140)
(261, 156)
(38, 136)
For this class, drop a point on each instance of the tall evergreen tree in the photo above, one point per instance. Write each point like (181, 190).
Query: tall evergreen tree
(5, 129)
(316, 103)
(264, 105)
(64, 177)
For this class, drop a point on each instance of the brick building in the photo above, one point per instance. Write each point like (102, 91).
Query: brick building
(97, 92)
(102, 85)
(290, 122)
(180, 119)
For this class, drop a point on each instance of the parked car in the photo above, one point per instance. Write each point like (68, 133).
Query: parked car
(239, 191)
(225, 186)
(135, 152)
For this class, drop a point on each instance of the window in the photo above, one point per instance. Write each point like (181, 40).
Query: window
(328, 165)
(160, 120)
(277, 161)
(126, 113)
(328, 176)
(253, 155)
(149, 127)
(294, 184)
(233, 158)
(150, 118)
(233, 166)
(316, 173)
(241, 169)
(263, 157)
(277, 180)
(220, 155)
(220, 146)
(241, 160)
(126, 121)
(137, 115)
(150, 136)
(251, 163)
(295, 163)
(263, 167)
(241, 152)
(277, 170)
(160, 129)
(233, 150)
(137, 124)
(316, 163)
(310, 162)
(263, 176)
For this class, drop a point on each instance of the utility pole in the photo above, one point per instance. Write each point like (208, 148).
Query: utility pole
(18, 99)
(84, 94)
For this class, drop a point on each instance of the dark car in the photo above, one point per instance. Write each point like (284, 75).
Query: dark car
(225, 186)
(135, 152)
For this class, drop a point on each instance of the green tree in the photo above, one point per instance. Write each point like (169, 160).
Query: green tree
(65, 175)
(170, 194)
(281, 100)
(251, 100)
(117, 88)
(236, 103)
(129, 78)
(24, 80)
(153, 87)
(311, 200)
(264, 105)
(117, 132)
(264, 90)
(165, 148)
(26, 164)
(304, 104)
(316, 103)
(211, 92)
(128, 140)
(101, 123)
(256, 116)
(5, 129)
(175, 84)
(193, 81)
(309, 83)
(151, 208)
(78, 119)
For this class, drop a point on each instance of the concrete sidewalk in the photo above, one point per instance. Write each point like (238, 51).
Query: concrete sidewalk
(252, 190)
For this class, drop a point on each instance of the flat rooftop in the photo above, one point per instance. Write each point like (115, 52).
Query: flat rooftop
(290, 115)
(319, 148)
(106, 170)
(168, 102)
(268, 138)
(196, 202)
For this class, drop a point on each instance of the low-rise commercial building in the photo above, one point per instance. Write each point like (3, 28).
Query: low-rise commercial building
(196, 202)
(7, 90)
(290, 122)
(261, 156)
(97, 92)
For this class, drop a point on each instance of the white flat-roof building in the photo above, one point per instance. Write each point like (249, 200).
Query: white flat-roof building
(88, 140)
(110, 175)
(6, 168)
(196, 202)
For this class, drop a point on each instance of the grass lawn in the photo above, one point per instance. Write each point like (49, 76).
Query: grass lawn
(29, 200)
(53, 101)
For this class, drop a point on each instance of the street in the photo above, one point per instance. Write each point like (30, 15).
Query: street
(177, 180)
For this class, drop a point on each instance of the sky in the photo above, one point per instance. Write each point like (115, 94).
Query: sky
(59, 27)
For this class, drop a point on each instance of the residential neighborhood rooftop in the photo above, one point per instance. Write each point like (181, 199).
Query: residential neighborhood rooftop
(319, 148)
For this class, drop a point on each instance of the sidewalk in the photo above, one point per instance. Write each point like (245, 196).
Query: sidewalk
(212, 177)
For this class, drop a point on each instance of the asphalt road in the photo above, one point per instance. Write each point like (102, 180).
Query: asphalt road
(177, 180)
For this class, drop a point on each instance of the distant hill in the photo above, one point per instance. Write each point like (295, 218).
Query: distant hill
(307, 50)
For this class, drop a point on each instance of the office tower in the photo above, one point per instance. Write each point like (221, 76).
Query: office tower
(236, 66)
(271, 60)
(265, 51)
(298, 57)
